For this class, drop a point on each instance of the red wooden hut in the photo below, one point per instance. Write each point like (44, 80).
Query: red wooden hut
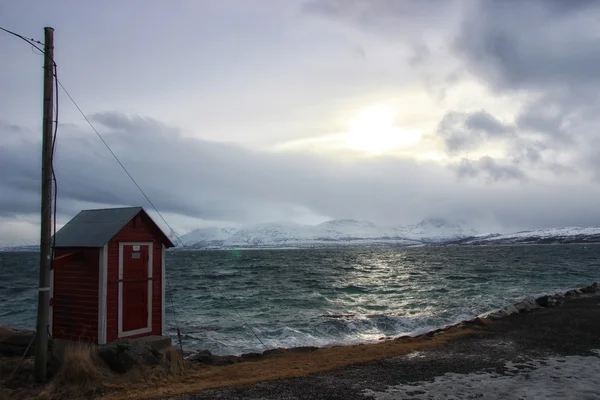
(108, 280)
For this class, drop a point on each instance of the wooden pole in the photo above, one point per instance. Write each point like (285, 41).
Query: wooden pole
(41, 336)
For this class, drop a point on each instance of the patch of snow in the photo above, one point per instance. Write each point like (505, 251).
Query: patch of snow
(554, 232)
(438, 229)
(207, 235)
(548, 235)
(571, 377)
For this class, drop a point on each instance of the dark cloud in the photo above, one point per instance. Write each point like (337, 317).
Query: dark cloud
(562, 8)
(5, 127)
(488, 168)
(368, 10)
(482, 121)
(133, 124)
(531, 44)
(539, 120)
(421, 55)
(191, 177)
(396, 20)
(465, 131)
(222, 182)
(546, 52)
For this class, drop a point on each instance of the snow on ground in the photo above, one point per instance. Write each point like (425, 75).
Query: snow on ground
(552, 232)
(572, 377)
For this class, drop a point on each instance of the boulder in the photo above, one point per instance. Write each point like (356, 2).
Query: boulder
(496, 314)
(525, 305)
(590, 289)
(556, 301)
(123, 355)
(14, 342)
(542, 301)
(206, 357)
(549, 301)
(510, 309)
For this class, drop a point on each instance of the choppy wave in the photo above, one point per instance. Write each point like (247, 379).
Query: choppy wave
(331, 297)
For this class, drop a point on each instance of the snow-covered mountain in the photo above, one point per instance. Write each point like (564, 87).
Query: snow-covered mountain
(342, 232)
(348, 232)
(207, 237)
(538, 236)
(433, 230)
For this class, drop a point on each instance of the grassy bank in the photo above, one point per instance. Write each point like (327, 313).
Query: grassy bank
(84, 375)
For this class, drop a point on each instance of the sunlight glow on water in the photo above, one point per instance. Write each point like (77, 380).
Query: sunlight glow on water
(324, 297)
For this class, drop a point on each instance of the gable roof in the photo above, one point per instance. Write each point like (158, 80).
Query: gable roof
(95, 228)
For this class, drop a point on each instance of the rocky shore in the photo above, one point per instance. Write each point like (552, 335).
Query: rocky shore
(559, 325)
(506, 345)
(523, 306)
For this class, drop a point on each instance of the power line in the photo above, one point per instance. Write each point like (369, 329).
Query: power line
(57, 82)
(52, 164)
(158, 212)
(54, 66)
(32, 42)
(29, 41)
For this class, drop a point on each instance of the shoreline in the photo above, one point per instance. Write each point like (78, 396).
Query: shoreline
(525, 305)
(507, 349)
(548, 327)
(344, 372)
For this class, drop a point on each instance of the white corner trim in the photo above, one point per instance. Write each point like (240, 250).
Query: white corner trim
(148, 327)
(102, 289)
(163, 282)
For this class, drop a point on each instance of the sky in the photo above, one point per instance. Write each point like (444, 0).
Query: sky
(233, 113)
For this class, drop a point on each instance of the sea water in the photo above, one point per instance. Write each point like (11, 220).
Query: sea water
(225, 301)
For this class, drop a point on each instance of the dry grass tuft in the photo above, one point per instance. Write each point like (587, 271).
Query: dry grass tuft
(173, 362)
(14, 382)
(81, 366)
(81, 374)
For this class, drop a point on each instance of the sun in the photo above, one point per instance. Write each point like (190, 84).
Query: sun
(374, 130)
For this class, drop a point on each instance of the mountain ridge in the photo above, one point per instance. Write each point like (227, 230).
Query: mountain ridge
(355, 233)
(351, 232)
(328, 233)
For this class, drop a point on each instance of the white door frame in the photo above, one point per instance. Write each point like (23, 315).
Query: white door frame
(148, 327)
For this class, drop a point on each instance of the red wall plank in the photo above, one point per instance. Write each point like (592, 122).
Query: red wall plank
(75, 298)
